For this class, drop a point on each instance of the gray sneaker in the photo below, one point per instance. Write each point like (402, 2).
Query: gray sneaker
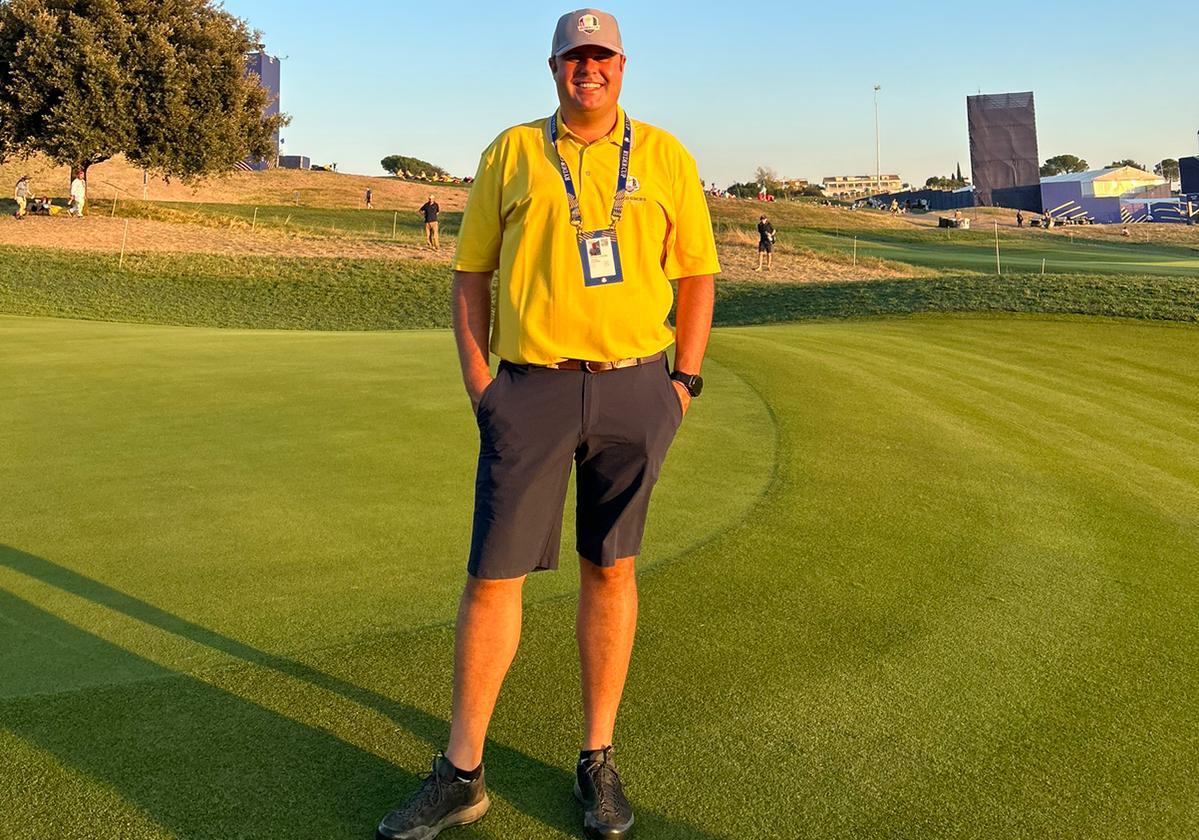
(607, 815)
(441, 802)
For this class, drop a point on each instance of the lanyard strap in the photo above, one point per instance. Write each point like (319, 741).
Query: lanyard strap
(622, 177)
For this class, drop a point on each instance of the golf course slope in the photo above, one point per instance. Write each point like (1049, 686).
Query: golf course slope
(912, 577)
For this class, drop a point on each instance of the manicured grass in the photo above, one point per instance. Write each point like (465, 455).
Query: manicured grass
(1021, 250)
(337, 294)
(975, 251)
(924, 577)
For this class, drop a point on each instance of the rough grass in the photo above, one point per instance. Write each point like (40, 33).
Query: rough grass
(378, 294)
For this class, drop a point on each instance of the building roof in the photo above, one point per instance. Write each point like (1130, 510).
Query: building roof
(1123, 173)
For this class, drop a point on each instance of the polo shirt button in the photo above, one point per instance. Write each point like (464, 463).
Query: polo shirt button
(587, 173)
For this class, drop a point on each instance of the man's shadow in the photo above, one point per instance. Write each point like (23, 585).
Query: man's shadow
(203, 762)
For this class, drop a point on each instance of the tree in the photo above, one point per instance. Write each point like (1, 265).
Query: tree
(766, 177)
(415, 167)
(1116, 164)
(1062, 164)
(959, 175)
(161, 81)
(949, 182)
(1168, 169)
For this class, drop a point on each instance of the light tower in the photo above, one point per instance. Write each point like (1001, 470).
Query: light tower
(878, 166)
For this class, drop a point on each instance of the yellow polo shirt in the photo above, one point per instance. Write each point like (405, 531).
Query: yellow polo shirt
(517, 221)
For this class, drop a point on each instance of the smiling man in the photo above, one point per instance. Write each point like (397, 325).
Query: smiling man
(587, 216)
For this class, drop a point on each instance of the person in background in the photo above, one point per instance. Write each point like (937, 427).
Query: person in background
(430, 210)
(1019, 219)
(21, 194)
(369, 206)
(765, 242)
(78, 195)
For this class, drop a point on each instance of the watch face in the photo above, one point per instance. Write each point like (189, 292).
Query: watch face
(694, 383)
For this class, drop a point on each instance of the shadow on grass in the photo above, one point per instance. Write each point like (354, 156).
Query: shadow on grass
(205, 763)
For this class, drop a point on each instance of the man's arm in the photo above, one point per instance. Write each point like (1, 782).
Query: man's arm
(693, 324)
(471, 302)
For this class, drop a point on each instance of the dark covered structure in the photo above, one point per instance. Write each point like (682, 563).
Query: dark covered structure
(1004, 160)
(932, 199)
(1188, 170)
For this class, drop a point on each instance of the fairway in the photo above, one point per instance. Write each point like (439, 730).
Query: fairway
(921, 577)
(1019, 252)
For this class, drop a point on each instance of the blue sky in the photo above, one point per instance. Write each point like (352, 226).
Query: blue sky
(784, 85)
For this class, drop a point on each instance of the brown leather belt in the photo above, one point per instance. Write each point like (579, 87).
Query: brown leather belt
(601, 367)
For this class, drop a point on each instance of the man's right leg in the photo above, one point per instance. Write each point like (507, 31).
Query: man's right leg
(455, 793)
(485, 642)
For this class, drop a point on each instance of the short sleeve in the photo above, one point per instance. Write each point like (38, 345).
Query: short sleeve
(691, 250)
(481, 234)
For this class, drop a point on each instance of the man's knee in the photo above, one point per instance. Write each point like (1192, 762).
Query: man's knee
(620, 573)
(485, 591)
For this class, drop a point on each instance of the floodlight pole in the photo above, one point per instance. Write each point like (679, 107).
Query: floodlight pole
(878, 166)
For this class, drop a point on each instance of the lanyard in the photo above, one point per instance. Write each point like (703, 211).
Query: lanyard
(576, 217)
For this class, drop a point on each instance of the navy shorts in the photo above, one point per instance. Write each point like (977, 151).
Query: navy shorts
(615, 427)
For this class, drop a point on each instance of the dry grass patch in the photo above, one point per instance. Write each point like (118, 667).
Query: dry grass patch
(275, 186)
(99, 233)
(738, 251)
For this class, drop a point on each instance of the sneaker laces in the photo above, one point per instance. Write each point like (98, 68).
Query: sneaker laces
(430, 793)
(609, 795)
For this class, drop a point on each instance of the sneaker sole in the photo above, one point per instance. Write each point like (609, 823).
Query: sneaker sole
(463, 816)
(598, 834)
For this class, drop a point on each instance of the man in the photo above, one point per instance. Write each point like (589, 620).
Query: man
(1019, 219)
(369, 206)
(765, 242)
(21, 193)
(430, 210)
(78, 194)
(587, 216)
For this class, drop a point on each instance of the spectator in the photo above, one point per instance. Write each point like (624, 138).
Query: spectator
(430, 210)
(21, 194)
(369, 206)
(765, 242)
(78, 195)
(1019, 219)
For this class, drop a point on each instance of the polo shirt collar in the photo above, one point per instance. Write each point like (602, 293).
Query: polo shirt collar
(615, 136)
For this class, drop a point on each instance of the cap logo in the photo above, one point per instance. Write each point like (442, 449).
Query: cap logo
(589, 24)
(632, 185)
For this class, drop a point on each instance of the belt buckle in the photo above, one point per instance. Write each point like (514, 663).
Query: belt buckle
(599, 367)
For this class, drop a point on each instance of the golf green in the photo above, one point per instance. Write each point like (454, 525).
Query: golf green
(919, 577)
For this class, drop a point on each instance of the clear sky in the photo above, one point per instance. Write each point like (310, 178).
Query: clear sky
(743, 84)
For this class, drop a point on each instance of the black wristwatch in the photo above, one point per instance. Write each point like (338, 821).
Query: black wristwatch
(693, 382)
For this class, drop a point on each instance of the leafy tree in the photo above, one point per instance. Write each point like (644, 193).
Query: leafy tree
(950, 182)
(1063, 164)
(161, 81)
(1116, 164)
(1168, 169)
(415, 167)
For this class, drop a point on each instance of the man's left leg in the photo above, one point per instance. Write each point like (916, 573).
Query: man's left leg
(605, 626)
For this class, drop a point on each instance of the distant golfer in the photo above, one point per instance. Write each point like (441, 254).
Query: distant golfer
(78, 195)
(429, 211)
(765, 242)
(21, 193)
(588, 216)
(369, 206)
(1019, 219)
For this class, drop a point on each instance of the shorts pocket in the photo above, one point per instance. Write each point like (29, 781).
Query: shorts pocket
(485, 397)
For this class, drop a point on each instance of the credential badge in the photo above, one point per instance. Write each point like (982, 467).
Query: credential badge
(589, 24)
